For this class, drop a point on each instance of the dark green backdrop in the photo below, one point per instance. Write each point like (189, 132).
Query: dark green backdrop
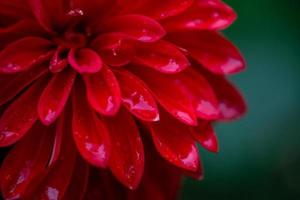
(260, 154)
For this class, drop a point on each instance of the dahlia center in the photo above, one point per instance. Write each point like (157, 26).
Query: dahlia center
(72, 38)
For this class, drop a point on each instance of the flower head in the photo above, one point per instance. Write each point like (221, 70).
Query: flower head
(110, 79)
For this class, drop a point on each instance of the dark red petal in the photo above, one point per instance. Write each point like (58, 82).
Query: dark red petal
(18, 30)
(200, 92)
(205, 135)
(51, 15)
(78, 185)
(203, 14)
(19, 117)
(127, 158)
(231, 103)
(114, 48)
(155, 8)
(162, 56)
(12, 85)
(137, 27)
(55, 183)
(14, 8)
(168, 91)
(173, 141)
(211, 50)
(24, 53)
(26, 162)
(59, 60)
(55, 96)
(102, 185)
(85, 60)
(103, 91)
(89, 132)
(136, 97)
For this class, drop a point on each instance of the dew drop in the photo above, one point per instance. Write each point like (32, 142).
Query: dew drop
(75, 13)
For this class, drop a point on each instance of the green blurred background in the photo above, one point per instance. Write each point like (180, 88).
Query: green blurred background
(260, 154)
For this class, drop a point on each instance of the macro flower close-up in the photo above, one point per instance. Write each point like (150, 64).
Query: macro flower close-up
(109, 99)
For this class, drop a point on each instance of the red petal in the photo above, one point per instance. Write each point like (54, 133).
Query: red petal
(14, 8)
(18, 30)
(158, 9)
(12, 85)
(136, 97)
(55, 96)
(153, 186)
(59, 61)
(19, 117)
(127, 157)
(114, 48)
(137, 27)
(78, 185)
(45, 15)
(174, 143)
(22, 54)
(26, 162)
(162, 56)
(201, 94)
(103, 92)
(55, 183)
(91, 9)
(85, 60)
(89, 132)
(205, 135)
(203, 14)
(231, 103)
(211, 50)
(168, 91)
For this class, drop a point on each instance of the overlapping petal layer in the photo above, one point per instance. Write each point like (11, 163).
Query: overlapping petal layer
(103, 97)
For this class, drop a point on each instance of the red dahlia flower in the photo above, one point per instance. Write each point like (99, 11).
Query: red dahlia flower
(109, 80)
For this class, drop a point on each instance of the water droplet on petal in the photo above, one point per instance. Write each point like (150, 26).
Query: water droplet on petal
(75, 12)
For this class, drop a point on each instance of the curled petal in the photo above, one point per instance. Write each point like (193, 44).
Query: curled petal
(137, 27)
(136, 97)
(12, 85)
(174, 143)
(55, 96)
(26, 162)
(17, 118)
(59, 60)
(211, 50)
(127, 158)
(203, 14)
(168, 91)
(89, 132)
(114, 48)
(205, 135)
(24, 53)
(85, 60)
(162, 56)
(103, 92)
